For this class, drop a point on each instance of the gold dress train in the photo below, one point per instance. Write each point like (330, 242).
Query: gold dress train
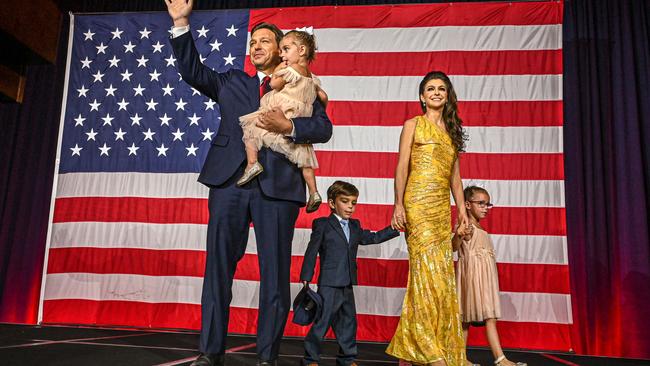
(429, 328)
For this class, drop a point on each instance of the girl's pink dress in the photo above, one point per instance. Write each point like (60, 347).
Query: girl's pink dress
(295, 100)
(477, 280)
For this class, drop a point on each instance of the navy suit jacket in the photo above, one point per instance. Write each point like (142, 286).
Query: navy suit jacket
(238, 94)
(338, 259)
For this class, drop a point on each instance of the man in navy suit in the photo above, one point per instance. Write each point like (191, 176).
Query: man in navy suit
(271, 201)
(335, 240)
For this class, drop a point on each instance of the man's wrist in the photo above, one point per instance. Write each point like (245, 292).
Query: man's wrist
(182, 22)
(291, 129)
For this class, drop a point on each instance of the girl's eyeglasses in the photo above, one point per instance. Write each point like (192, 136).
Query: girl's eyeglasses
(483, 204)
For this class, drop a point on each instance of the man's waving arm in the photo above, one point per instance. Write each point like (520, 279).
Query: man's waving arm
(199, 76)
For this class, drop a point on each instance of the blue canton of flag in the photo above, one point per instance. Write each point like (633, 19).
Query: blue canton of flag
(127, 109)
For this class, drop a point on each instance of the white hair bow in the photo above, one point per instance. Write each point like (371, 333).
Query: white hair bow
(309, 30)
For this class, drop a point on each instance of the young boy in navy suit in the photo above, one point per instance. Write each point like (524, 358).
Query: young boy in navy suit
(335, 240)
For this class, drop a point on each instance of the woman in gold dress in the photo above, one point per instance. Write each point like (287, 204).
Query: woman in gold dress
(429, 330)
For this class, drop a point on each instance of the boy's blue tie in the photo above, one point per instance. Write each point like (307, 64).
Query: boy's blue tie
(346, 229)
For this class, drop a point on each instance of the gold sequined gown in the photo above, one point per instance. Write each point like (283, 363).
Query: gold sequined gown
(429, 328)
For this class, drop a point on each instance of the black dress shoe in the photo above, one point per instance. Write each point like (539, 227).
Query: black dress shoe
(208, 360)
(267, 363)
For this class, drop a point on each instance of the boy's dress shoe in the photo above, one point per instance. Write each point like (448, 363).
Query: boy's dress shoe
(208, 360)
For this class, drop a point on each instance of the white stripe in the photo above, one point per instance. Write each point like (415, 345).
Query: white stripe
(468, 88)
(427, 39)
(527, 249)
(132, 235)
(506, 193)
(520, 307)
(161, 185)
(481, 139)
(515, 140)
(124, 287)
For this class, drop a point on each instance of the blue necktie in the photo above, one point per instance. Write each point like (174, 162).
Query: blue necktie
(346, 229)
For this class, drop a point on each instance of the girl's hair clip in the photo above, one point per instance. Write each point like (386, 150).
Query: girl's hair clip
(309, 30)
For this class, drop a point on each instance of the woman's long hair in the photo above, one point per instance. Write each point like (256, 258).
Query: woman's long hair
(449, 112)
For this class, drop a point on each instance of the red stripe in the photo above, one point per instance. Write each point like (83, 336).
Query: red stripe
(516, 62)
(244, 321)
(502, 220)
(492, 113)
(512, 62)
(512, 166)
(132, 209)
(473, 113)
(545, 278)
(472, 165)
(429, 15)
(544, 336)
(149, 262)
(122, 313)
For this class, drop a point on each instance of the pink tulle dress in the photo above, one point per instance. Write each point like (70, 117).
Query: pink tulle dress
(295, 100)
(477, 280)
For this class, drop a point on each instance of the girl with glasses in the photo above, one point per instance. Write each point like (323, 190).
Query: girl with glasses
(477, 280)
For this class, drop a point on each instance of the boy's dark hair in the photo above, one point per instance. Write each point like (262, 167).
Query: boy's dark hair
(339, 188)
(470, 191)
(272, 27)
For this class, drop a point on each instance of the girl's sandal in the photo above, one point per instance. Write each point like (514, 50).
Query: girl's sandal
(502, 358)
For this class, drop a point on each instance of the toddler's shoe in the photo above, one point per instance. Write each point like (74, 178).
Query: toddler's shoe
(314, 202)
(250, 173)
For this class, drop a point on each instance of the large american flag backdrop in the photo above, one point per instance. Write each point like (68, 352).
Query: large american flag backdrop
(127, 235)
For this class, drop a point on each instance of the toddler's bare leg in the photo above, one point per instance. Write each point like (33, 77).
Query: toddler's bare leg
(253, 168)
(251, 153)
(315, 199)
(310, 179)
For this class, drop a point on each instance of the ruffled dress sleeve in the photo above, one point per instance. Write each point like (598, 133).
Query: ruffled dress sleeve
(289, 74)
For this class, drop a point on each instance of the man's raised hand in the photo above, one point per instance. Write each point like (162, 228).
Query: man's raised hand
(180, 11)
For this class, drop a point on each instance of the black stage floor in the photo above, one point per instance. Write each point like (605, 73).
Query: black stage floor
(54, 345)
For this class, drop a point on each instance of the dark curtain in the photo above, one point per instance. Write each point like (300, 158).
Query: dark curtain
(607, 167)
(28, 143)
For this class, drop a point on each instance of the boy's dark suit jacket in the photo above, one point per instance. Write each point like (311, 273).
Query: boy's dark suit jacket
(338, 264)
